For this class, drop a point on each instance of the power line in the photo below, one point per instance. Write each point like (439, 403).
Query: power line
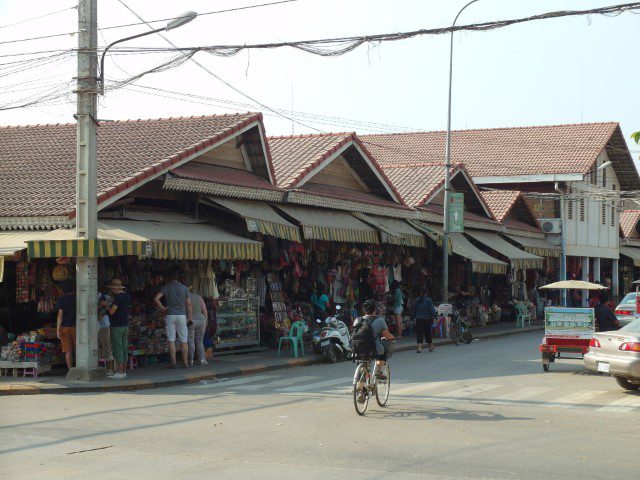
(38, 17)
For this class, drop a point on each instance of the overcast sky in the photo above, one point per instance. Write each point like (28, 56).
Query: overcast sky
(567, 70)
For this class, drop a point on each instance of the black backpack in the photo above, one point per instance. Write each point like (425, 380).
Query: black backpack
(363, 342)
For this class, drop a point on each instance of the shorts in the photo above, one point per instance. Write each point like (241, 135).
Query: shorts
(67, 339)
(104, 344)
(176, 325)
(397, 310)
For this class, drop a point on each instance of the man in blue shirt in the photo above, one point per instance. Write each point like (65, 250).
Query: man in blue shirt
(424, 311)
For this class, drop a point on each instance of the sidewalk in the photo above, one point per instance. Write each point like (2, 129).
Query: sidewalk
(220, 367)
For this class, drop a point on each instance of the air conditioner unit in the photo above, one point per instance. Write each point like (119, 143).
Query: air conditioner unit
(551, 225)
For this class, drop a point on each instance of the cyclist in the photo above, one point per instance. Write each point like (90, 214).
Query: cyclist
(379, 330)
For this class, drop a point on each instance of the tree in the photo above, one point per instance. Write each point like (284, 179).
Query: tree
(636, 137)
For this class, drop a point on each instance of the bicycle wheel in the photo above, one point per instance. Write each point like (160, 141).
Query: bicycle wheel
(383, 385)
(456, 338)
(467, 337)
(360, 393)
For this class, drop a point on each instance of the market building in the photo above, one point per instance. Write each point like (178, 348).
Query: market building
(629, 249)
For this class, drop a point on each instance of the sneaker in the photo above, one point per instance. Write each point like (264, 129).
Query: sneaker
(203, 362)
(111, 374)
(191, 363)
(119, 376)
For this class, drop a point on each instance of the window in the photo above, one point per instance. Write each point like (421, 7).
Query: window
(613, 215)
(582, 209)
(604, 178)
(603, 213)
(570, 209)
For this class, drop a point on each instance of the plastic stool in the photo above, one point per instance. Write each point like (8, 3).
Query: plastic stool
(133, 362)
(102, 363)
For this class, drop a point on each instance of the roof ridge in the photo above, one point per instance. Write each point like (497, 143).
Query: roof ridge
(309, 135)
(612, 123)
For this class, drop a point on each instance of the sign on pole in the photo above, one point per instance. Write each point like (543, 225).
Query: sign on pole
(456, 212)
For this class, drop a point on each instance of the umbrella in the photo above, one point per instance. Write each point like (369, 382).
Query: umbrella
(575, 285)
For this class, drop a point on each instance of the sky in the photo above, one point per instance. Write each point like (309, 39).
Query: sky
(567, 70)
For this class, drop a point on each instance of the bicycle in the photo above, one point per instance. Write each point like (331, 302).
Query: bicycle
(367, 383)
(460, 329)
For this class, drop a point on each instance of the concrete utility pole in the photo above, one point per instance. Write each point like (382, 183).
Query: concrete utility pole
(86, 198)
(447, 174)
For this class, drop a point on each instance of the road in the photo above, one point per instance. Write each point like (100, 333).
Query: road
(479, 411)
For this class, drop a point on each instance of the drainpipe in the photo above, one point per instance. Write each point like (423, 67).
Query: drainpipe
(563, 241)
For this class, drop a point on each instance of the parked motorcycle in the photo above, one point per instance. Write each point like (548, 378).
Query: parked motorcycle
(333, 340)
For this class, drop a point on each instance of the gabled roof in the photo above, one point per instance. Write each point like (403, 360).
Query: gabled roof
(39, 161)
(628, 221)
(297, 158)
(517, 152)
(501, 202)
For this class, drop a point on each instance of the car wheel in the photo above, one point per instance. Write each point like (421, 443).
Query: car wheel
(626, 384)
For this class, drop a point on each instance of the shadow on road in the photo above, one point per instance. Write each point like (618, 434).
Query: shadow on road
(443, 413)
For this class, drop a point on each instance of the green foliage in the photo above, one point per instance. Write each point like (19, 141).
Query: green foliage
(636, 137)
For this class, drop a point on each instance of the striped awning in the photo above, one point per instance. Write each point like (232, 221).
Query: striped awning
(480, 261)
(112, 242)
(537, 246)
(393, 230)
(261, 218)
(518, 258)
(632, 252)
(331, 225)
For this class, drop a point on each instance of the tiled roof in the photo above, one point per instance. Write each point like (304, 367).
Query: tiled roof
(628, 222)
(39, 161)
(226, 176)
(501, 202)
(518, 225)
(536, 150)
(468, 216)
(294, 157)
(348, 195)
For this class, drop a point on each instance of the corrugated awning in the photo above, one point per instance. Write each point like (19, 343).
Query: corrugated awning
(13, 241)
(537, 246)
(518, 258)
(394, 230)
(159, 235)
(633, 253)
(261, 218)
(331, 225)
(480, 261)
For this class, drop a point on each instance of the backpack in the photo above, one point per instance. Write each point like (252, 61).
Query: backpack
(363, 342)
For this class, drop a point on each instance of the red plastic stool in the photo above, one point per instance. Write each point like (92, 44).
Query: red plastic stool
(133, 362)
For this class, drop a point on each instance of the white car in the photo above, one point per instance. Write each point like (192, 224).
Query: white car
(625, 311)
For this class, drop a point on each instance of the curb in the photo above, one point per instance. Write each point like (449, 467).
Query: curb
(248, 370)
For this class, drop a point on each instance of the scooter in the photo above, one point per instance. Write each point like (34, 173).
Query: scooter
(333, 340)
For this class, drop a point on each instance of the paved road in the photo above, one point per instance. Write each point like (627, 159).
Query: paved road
(484, 410)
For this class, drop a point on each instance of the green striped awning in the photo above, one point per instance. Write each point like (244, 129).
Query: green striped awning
(331, 225)
(394, 231)
(261, 218)
(84, 248)
(207, 251)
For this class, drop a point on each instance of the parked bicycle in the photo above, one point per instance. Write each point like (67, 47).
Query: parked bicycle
(460, 329)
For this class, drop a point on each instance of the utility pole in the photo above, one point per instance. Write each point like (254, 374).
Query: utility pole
(86, 198)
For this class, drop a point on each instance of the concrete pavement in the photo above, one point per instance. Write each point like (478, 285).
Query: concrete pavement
(479, 411)
(220, 367)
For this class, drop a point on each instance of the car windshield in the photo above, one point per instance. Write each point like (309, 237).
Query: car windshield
(632, 327)
(629, 298)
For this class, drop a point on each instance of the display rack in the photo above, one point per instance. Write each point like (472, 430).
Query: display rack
(238, 324)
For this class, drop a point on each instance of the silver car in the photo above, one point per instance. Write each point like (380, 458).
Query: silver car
(625, 311)
(618, 353)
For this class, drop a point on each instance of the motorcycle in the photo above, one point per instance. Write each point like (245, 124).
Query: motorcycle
(333, 340)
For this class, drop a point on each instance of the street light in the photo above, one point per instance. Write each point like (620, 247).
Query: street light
(175, 23)
(447, 175)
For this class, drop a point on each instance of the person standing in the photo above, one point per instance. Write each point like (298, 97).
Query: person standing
(398, 305)
(66, 321)
(178, 312)
(320, 302)
(197, 327)
(104, 333)
(424, 311)
(606, 320)
(119, 326)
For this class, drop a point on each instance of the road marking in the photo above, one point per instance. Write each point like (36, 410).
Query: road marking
(230, 383)
(418, 387)
(627, 404)
(573, 399)
(469, 391)
(312, 386)
(523, 394)
(276, 383)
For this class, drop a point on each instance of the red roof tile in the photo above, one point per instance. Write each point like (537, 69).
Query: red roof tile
(628, 222)
(226, 176)
(501, 202)
(39, 161)
(506, 152)
(294, 157)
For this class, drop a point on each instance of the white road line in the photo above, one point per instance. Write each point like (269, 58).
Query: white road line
(313, 386)
(523, 394)
(627, 404)
(277, 383)
(469, 391)
(232, 382)
(573, 399)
